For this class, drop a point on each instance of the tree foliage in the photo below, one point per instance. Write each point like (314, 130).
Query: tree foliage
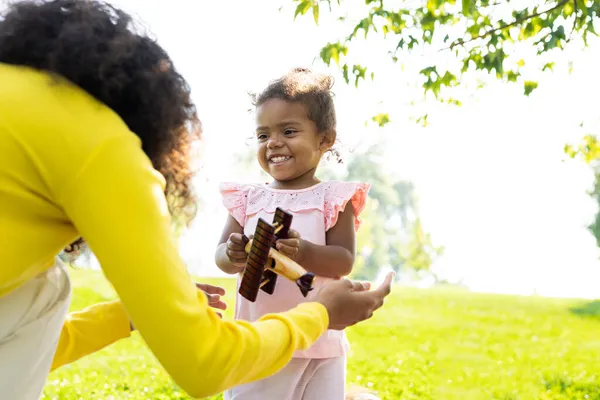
(480, 34)
(588, 150)
(419, 253)
(511, 41)
(594, 227)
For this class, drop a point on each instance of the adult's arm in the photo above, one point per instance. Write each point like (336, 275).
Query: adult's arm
(116, 202)
(89, 330)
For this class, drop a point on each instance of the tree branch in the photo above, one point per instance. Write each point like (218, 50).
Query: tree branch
(574, 20)
(461, 42)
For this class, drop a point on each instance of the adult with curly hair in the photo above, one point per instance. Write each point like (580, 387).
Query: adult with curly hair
(96, 127)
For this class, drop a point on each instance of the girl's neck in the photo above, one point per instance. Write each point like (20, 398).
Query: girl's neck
(302, 182)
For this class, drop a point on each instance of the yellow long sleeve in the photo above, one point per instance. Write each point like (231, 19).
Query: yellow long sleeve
(71, 167)
(89, 330)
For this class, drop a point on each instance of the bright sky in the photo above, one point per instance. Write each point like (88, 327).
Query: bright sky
(495, 187)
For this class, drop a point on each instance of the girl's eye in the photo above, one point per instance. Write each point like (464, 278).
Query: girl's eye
(289, 131)
(261, 137)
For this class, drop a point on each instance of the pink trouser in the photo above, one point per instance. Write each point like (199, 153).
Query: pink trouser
(301, 379)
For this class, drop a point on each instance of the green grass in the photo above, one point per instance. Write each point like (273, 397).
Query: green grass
(443, 343)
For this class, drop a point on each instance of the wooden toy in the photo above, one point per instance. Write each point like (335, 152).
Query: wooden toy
(264, 262)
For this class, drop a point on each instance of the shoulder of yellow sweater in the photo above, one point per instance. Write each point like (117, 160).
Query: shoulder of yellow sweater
(34, 95)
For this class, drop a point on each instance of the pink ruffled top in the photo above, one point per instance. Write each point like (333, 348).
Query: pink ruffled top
(316, 210)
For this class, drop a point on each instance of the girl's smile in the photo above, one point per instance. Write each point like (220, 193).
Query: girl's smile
(278, 160)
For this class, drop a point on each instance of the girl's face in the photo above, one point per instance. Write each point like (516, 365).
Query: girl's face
(289, 145)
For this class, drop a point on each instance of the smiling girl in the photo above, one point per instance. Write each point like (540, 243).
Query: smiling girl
(295, 127)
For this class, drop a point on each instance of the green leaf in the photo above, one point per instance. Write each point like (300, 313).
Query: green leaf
(364, 24)
(549, 66)
(570, 151)
(359, 72)
(454, 102)
(568, 8)
(335, 54)
(466, 7)
(429, 70)
(588, 150)
(512, 76)
(490, 61)
(333, 51)
(554, 39)
(529, 87)
(412, 42)
(302, 8)
(448, 79)
(315, 9)
(345, 73)
(381, 119)
(397, 22)
(531, 28)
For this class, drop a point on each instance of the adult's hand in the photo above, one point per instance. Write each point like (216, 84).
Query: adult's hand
(349, 302)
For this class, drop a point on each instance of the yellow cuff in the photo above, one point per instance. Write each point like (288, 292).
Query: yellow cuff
(115, 311)
(320, 310)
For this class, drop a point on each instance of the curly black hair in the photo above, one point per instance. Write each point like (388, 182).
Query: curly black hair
(101, 49)
(311, 89)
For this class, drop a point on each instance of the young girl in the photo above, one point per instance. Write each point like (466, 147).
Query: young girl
(295, 127)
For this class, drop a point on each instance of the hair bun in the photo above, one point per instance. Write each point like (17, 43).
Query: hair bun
(301, 70)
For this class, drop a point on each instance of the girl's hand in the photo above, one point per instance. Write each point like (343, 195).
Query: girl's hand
(291, 246)
(236, 252)
(214, 294)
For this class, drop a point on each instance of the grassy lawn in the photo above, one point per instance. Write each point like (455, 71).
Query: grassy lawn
(442, 344)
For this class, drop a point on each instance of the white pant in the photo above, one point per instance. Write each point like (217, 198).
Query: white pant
(31, 319)
(301, 379)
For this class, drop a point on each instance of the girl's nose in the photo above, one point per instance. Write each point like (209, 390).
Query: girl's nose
(274, 143)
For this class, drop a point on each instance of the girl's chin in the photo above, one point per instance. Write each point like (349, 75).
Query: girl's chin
(282, 177)
(280, 172)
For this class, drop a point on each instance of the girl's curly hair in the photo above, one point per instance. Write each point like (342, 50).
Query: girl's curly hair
(99, 48)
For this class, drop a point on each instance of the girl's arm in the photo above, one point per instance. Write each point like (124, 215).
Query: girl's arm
(335, 260)
(234, 231)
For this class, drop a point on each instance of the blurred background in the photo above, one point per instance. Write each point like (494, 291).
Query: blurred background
(474, 186)
(475, 123)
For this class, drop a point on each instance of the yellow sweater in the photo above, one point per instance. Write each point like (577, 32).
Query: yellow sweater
(69, 166)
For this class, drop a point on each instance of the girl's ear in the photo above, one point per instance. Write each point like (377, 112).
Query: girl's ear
(327, 140)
